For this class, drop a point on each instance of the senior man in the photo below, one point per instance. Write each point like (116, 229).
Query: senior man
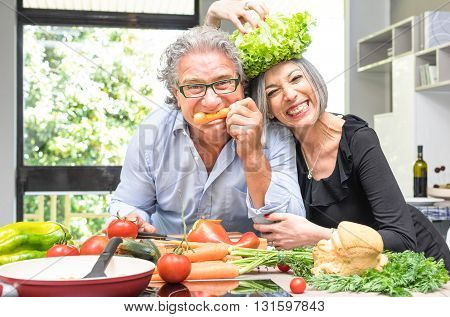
(217, 169)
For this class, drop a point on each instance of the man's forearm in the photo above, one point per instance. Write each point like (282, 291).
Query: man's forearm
(258, 175)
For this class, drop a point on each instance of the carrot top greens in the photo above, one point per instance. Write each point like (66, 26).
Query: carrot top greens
(406, 272)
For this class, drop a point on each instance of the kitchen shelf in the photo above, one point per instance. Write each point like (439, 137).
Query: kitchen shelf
(382, 66)
(436, 87)
(374, 49)
(375, 52)
(440, 58)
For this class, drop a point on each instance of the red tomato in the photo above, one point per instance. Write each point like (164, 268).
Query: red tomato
(62, 250)
(298, 285)
(283, 268)
(173, 268)
(94, 245)
(122, 228)
(173, 290)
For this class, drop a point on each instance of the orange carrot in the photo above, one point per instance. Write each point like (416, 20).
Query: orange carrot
(208, 270)
(198, 265)
(209, 289)
(202, 118)
(211, 252)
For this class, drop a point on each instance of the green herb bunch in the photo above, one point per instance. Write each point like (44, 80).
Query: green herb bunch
(405, 272)
(278, 38)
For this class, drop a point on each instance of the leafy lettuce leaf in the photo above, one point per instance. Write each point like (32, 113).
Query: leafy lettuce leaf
(278, 38)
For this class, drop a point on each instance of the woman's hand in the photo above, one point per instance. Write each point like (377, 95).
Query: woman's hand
(235, 11)
(290, 231)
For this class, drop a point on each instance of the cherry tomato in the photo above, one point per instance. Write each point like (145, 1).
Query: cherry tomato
(122, 228)
(94, 245)
(173, 268)
(283, 268)
(62, 250)
(298, 285)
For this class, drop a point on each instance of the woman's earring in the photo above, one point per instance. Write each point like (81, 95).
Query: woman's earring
(271, 116)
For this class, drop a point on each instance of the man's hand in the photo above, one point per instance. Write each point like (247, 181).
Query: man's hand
(245, 124)
(237, 12)
(142, 225)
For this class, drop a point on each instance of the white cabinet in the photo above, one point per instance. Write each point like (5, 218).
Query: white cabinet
(420, 112)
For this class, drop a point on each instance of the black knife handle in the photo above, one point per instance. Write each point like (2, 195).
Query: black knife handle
(105, 257)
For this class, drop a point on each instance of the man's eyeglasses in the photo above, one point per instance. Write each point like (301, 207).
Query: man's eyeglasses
(220, 87)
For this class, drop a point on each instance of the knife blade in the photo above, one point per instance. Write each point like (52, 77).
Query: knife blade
(157, 236)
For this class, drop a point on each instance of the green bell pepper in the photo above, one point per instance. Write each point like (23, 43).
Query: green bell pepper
(21, 255)
(31, 236)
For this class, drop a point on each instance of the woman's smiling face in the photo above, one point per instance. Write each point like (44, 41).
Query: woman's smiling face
(290, 96)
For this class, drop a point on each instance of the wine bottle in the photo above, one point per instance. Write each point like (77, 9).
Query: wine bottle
(420, 174)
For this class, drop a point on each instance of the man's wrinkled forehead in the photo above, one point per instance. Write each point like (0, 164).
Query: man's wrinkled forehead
(205, 66)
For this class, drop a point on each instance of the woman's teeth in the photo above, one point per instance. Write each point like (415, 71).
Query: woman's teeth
(300, 108)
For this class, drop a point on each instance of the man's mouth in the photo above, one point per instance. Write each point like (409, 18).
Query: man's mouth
(203, 118)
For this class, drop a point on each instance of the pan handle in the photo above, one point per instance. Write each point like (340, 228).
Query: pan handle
(7, 290)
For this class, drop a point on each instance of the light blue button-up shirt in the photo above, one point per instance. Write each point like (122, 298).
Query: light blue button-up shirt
(163, 174)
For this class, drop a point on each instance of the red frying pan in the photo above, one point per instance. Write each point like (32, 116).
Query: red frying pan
(63, 276)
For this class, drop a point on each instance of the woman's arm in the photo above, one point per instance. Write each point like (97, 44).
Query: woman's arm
(389, 208)
(235, 11)
(289, 231)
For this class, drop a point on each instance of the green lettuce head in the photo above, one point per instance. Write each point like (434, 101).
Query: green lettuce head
(277, 39)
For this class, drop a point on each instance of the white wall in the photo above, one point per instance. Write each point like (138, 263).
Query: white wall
(402, 9)
(363, 17)
(7, 111)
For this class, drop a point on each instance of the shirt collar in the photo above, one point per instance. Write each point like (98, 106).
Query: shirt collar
(180, 124)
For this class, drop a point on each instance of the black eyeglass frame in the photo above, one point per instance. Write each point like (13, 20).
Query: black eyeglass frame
(237, 81)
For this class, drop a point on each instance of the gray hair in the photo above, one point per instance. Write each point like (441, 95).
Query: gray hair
(196, 39)
(258, 87)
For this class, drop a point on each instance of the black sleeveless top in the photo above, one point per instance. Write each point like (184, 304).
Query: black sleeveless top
(363, 189)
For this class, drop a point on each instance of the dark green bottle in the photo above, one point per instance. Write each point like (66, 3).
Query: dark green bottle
(420, 174)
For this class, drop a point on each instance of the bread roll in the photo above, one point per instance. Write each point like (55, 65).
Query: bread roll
(352, 249)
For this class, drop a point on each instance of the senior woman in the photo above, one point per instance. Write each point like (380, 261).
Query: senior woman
(342, 171)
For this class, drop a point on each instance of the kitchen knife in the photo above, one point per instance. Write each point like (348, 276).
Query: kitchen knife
(157, 236)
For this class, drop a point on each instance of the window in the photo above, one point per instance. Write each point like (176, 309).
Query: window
(86, 79)
(85, 90)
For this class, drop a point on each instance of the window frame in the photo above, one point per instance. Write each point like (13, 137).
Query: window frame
(76, 178)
